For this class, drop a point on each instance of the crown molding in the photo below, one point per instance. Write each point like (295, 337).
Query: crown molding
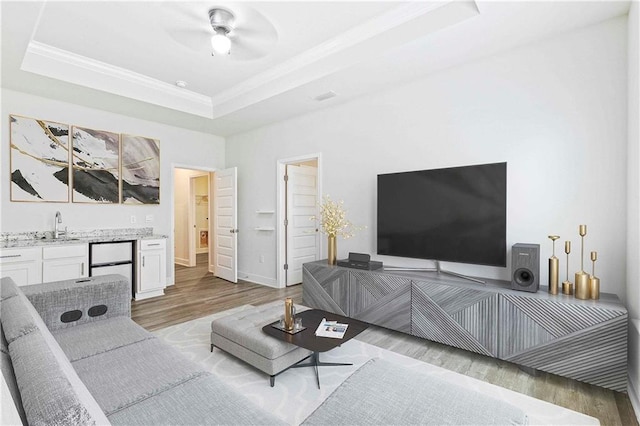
(63, 65)
(383, 32)
(258, 87)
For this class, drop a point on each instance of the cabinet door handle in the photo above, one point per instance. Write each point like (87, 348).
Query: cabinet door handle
(143, 261)
(9, 256)
(155, 244)
(82, 271)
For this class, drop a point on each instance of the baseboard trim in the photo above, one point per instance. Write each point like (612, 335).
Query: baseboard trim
(258, 279)
(634, 398)
(181, 261)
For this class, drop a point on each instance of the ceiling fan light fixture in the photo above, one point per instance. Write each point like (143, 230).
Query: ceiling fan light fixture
(221, 21)
(220, 43)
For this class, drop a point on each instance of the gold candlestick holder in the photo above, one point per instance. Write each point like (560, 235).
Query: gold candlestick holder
(554, 267)
(594, 282)
(581, 277)
(567, 286)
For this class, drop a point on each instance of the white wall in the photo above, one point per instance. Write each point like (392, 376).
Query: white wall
(633, 194)
(554, 110)
(177, 145)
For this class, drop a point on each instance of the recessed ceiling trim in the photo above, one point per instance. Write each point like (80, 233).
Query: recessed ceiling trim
(356, 35)
(63, 65)
(358, 44)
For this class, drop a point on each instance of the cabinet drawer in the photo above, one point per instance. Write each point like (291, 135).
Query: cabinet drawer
(111, 252)
(20, 255)
(60, 252)
(151, 244)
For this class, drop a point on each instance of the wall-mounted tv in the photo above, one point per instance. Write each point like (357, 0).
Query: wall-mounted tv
(456, 214)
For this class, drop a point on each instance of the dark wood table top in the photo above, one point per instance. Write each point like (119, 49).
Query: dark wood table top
(307, 338)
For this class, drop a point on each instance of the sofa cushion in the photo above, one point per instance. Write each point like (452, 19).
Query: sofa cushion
(17, 321)
(204, 399)
(47, 395)
(245, 329)
(7, 288)
(129, 374)
(37, 350)
(380, 392)
(94, 338)
(9, 376)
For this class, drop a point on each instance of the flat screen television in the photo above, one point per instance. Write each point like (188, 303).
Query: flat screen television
(456, 214)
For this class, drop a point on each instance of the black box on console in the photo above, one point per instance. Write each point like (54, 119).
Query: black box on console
(371, 265)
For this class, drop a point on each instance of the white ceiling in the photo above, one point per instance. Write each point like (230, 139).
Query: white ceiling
(125, 56)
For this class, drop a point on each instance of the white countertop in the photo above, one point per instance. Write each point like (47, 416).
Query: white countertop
(44, 239)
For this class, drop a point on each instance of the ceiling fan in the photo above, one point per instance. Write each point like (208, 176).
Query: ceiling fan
(239, 34)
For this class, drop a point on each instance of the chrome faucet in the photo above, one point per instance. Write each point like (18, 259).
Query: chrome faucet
(56, 222)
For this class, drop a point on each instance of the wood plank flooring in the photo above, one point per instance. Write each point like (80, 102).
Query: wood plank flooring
(197, 293)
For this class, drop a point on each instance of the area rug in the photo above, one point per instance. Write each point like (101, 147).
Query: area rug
(296, 395)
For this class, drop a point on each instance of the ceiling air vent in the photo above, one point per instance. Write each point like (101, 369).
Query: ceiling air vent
(328, 95)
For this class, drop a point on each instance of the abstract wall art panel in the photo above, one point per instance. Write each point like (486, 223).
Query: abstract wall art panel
(39, 160)
(140, 170)
(95, 166)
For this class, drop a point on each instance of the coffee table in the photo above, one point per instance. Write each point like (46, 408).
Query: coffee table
(308, 340)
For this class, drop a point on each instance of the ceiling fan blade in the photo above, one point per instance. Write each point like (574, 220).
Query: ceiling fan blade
(242, 51)
(188, 24)
(193, 39)
(253, 34)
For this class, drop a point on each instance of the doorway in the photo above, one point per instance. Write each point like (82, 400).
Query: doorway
(299, 192)
(221, 233)
(192, 230)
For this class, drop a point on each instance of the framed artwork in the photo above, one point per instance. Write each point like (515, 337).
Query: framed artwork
(203, 241)
(95, 166)
(140, 170)
(39, 160)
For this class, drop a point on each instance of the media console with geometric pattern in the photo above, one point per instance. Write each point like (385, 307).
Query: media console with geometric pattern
(585, 340)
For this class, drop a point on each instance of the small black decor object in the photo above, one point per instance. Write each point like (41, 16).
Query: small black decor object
(525, 264)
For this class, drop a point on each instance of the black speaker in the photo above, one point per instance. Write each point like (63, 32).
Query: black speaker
(525, 267)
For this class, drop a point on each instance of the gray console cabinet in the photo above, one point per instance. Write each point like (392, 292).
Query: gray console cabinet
(380, 299)
(465, 318)
(585, 340)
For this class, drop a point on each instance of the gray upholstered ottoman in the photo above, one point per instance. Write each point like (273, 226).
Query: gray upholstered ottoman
(241, 335)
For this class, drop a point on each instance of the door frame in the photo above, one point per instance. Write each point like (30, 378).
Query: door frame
(171, 248)
(280, 209)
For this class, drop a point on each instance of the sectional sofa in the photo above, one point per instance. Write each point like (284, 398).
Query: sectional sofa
(71, 355)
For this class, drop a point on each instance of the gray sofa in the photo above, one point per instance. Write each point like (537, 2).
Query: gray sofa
(71, 355)
(105, 368)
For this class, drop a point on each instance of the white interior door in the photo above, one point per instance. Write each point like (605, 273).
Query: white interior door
(302, 232)
(226, 225)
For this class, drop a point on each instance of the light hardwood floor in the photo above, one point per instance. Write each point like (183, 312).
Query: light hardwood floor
(197, 293)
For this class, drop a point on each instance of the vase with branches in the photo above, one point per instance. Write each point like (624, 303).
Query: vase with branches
(333, 222)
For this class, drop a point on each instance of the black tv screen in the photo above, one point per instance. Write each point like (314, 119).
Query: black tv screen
(456, 214)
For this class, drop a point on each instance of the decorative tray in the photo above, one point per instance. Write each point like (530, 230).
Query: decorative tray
(277, 325)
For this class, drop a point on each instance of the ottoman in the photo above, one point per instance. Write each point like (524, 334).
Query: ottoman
(241, 335)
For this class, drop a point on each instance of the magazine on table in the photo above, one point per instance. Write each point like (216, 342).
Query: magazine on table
(332, 329)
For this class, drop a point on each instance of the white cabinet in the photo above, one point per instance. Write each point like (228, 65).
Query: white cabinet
(152, 268)
(65, 262)
(23, 265)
